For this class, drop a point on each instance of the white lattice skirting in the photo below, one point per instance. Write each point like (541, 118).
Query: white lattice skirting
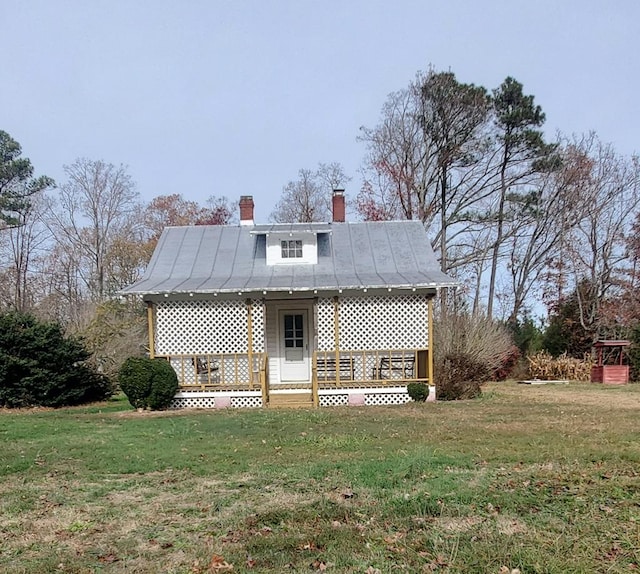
(211, 400)
(364, 397)
(327, 398)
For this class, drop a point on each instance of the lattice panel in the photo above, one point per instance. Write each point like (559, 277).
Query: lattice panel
(379, 322)
(326, 325)
(201, 327)
(257, 326)
(333, 400)
(378, 399)
(193, 403)
(196, 402)
(246, 402)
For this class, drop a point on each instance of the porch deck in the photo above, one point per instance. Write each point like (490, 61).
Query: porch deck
(336, 378)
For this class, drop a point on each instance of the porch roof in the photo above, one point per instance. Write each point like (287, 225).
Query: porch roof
(209, 259)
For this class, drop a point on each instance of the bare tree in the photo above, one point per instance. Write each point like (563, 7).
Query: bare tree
(431, 159)
(308, 198)
(26, 243)
(542, 219)
(95, 207)
(598, 247)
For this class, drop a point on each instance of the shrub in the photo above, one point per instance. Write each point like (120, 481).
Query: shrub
(418, 391)
(476, 337)
(460, 376)
(508, 364)
(163, 386)
(634, 353)
(469, 349)
(134, 379)
(148, 383)
(40, 366)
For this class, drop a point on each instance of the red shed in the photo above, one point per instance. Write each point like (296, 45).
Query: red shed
(610, 367)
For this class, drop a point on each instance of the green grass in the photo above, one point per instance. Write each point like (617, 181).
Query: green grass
(540, 479)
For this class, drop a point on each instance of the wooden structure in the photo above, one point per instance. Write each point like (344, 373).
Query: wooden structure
(610, 367)
(321, 314)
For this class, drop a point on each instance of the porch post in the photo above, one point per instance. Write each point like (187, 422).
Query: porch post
(152, 345)
(315, 395)
(336, 329)
(250, 343)
(432, 384)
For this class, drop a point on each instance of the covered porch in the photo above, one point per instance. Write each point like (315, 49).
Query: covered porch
(297, 352)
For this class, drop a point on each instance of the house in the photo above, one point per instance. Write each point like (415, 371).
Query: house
(290, 314)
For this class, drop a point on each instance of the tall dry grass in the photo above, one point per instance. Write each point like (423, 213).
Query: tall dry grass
(480, 339)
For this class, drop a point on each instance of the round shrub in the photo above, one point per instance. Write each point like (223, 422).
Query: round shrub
(135, 377)
(164, 385)
(148, 383)
(418, 391)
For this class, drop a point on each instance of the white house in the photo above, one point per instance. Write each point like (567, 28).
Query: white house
(320, 313)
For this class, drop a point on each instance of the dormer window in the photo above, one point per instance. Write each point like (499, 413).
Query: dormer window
(291, 248)
(291, 243)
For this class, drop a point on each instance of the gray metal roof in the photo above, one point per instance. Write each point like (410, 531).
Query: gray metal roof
(291, 228)
(207, 259)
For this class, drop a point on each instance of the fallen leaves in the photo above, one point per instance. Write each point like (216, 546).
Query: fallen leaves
(219, 564)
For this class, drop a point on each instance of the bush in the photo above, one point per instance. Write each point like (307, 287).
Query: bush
(476, 337)
(134, 379)
(508, 365)
(634, 353)
(148, 383)
(418, 391)
(40, 366)
(460, 376)
(163, 386)
(469, 349)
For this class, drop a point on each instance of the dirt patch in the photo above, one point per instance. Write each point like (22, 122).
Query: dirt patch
(463, 524)
(505, 525)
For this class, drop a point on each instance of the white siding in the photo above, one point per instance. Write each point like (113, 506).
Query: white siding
(309, 249)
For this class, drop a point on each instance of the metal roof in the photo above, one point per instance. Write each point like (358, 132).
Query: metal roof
(209, 258)
(291, 228)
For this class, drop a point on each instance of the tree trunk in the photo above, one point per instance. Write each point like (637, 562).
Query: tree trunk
(499, 234)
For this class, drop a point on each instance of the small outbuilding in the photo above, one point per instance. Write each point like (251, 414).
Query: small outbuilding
(611, 366)
(317, 314)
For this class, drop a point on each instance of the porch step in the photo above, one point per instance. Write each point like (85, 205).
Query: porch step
(302, 400)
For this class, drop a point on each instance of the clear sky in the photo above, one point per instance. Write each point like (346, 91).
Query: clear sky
(213, 97)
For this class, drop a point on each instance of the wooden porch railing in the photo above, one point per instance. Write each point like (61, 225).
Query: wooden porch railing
(355, 368)
(220, 371)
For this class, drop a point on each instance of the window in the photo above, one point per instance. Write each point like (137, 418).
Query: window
(291, 248)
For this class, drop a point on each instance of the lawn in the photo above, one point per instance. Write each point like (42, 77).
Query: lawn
(525, 479)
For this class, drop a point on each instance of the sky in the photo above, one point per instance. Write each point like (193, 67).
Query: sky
(231, 98)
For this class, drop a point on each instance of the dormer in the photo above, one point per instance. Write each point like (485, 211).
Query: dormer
(293, 244)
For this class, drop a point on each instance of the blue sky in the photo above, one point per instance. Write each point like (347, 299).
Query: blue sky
(234, 97)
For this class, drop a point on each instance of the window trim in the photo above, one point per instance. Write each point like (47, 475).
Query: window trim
(291, 249)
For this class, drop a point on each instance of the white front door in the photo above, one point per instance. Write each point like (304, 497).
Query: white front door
(294, 345)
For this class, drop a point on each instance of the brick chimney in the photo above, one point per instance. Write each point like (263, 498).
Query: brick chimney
(246, 210)
(338, 206)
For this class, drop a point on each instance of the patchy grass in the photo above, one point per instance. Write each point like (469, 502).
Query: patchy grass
(540, 479)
